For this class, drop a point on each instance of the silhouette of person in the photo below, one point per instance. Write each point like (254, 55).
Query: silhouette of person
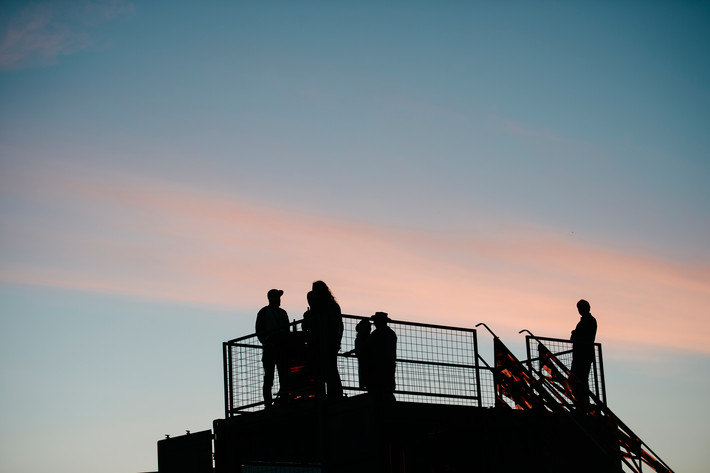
(382, 348)
(271, 330)
(324, 323)
(582, 339)
(361, 351)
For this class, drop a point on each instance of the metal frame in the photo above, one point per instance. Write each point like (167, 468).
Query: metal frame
(596, 373)
(635, 455)
(441, 365)
(435, 364)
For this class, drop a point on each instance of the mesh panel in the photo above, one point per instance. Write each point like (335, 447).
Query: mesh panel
(247, 374)
(435, 364)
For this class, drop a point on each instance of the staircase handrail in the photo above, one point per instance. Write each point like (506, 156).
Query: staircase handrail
(651, 458)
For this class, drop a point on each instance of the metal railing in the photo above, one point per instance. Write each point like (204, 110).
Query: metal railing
(435, 364)
(441, 365)
(562, 350)
(551, 367)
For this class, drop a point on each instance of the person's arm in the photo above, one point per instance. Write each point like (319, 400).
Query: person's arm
(260, 326)
(284, 322)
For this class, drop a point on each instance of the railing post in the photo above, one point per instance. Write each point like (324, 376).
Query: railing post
(477, 369)
(226, 380)
(601, 371)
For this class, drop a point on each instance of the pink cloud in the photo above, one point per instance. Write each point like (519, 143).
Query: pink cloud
(152, 239)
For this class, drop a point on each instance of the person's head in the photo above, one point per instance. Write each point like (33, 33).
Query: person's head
(363, 327)
(321, 291)
(274, 296)
(380, 319)
(583, 307)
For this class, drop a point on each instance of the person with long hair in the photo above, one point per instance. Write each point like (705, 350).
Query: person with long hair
(324, 322)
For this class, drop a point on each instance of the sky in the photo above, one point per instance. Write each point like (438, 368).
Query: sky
(164, 164)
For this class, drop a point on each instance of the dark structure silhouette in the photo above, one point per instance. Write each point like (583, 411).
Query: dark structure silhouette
(582, 339)
(191, 452)
(323, 322)
(271, 329)
(453, 412)
(382, 358)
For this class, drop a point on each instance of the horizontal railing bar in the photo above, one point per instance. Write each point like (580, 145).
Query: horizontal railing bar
(246, 345)
(561, 340)
(435, 363)
(418, 393)
(402, 360)
(418, 324)
(440, 395)
(241, 408)
(360, 317)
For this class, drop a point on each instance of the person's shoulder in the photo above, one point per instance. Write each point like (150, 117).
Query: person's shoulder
(262, 310)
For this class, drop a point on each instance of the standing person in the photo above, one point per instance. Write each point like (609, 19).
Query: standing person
(362, 340)
(324, 322)
(271, 330)
(383, 358)
(582, 339)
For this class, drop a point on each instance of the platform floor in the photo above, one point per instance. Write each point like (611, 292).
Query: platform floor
(359, 435)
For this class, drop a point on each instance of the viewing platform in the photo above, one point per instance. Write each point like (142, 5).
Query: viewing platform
(453, 412)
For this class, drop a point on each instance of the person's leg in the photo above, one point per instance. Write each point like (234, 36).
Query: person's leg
(335, 385)
(580, 383)
(285, 381)
(318, 367)
(269, 365)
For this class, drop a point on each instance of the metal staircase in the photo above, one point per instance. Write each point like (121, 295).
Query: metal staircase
(557, 380)
(544, 381)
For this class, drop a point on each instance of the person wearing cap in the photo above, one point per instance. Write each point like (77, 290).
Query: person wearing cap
(383, 358)
(271, 329)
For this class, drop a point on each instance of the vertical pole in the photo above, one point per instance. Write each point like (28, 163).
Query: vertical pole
(601, 372)
(478, 369)
(529, 352)
(225, 360)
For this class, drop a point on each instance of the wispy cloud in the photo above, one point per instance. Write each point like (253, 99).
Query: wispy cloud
(519, 129)
(153, 239)
(530, 132)
(39, 34)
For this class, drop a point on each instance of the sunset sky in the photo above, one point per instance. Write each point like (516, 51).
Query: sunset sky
(164, 164)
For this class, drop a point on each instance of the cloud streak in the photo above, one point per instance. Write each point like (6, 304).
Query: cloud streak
(39, 34)
(148, 238)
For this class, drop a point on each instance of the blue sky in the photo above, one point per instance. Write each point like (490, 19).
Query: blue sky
(163, 166)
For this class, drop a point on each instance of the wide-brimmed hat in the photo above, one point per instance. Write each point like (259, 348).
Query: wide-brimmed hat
(380, 316)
